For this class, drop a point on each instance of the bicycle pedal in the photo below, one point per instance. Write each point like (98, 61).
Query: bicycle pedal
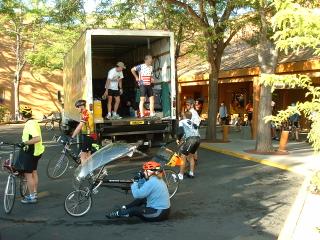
(95, 191)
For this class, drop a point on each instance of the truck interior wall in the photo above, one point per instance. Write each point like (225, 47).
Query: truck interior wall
(101, 64)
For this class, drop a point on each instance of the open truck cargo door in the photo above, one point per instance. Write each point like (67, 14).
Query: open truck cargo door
(85, 72)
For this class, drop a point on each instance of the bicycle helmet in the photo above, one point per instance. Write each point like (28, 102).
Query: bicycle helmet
(80, 102)
(190, 101)
(153, 166)
(26, 111)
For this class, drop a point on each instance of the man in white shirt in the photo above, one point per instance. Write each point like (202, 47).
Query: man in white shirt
(114, 89)
(195, 119)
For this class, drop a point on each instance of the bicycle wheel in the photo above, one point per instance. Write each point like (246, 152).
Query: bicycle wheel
(49, 125)
(9, 194)
(56, 168)
(23, 186)
(171, 179)
(78, 203)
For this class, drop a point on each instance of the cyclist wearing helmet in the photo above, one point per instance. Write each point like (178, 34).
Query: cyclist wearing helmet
(32, 146)
(189, 137)
(152, 202)
(86, 128)
(195, 119)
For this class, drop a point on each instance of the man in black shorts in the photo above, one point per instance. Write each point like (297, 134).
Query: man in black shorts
(145, 81)
(85, 127)
(189, 138)
(32, 148)
(114, 89)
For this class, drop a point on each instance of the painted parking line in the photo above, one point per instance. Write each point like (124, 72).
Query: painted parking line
(247, 157)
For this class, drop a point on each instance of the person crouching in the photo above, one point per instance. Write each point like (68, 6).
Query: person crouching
(151, 196)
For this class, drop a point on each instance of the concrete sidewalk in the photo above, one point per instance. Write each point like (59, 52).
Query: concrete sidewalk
(303, 220)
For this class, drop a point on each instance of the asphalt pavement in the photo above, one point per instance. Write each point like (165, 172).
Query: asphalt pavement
(229, 199)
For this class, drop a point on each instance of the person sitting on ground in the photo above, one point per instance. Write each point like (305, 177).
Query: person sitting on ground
(189, 140)
(86, 128)
(114, 89)
(152, 201)
(33, 148)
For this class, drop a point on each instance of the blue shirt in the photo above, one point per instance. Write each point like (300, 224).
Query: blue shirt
(155, 191)
(223, 111)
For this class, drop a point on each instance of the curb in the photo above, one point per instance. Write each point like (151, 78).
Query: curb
(247, 157)
(287, 232)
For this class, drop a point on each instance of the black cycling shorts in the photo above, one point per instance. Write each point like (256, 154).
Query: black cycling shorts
(86, 143)
(31, 163)
(113, 93)
(190, 145)
(146, 91)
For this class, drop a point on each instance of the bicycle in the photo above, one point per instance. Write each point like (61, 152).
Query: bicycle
(49, 122)
(10, 189)
(94, 173)
(56, 167)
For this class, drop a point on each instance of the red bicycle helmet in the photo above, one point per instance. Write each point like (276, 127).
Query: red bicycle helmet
(153, 166)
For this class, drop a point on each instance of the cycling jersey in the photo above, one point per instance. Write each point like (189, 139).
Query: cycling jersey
(86, 118)
(187, 129)
(32, 129)
(145, 73)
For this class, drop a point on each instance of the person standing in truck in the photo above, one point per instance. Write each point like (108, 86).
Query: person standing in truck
(114, 89)
(145, 81)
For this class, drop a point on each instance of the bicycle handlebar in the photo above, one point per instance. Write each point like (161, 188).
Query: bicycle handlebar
(8, 143)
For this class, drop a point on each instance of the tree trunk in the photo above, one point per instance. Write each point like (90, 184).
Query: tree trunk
(264, 143)
(16, 100)
(214, 59)
(268, 58)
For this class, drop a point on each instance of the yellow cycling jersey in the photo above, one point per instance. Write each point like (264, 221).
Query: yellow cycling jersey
(32, 129)
(87, 119)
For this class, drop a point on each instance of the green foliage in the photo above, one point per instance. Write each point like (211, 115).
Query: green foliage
(3, 112)
(297, 26)
(314, 186)
(53, 43)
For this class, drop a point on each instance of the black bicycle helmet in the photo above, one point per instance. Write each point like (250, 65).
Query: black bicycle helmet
(80, 102)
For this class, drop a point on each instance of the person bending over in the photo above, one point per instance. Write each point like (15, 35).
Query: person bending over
(189, 140)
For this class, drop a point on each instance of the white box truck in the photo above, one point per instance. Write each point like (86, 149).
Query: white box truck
(86, 66)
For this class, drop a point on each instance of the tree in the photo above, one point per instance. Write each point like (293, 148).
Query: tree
(17, 21)
(40, 36)
(297, 25)
(217, 22)
(268, 59)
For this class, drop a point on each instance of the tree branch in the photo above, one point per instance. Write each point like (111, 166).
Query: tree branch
(188, 8)
(203, 13)
(229, 38)
(212, 4)
(227, 12)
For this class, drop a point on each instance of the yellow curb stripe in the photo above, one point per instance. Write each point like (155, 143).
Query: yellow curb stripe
(253, 159)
